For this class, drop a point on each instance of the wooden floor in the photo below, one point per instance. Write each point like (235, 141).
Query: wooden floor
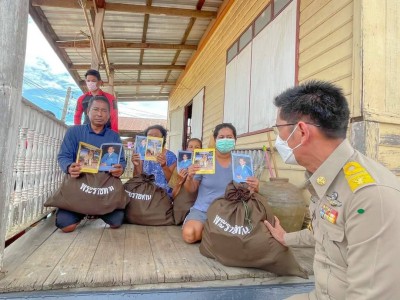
(129, 257)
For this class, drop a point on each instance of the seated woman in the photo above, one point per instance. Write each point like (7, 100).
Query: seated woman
(165, 165)
(211, 186)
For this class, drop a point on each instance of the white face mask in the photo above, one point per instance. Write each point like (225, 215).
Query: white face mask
(285, 151)
(92, 86)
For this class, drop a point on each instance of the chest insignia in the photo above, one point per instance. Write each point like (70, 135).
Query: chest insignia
(328, 213)
(321, 180)
(333, 199)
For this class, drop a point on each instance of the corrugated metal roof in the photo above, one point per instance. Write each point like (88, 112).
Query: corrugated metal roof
(147, 43)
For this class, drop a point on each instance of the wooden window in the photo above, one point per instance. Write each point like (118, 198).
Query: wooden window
(175, 121)
(262, 70)
(245, 38)
(262, 20)
(279, 5)
(232, 52)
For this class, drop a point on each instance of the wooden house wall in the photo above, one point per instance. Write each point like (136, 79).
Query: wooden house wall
(349, 42)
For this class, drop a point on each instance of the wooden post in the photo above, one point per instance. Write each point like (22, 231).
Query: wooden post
(64, 112)
(13, 32)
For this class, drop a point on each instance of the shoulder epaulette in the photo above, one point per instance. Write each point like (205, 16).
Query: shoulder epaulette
(357, 176)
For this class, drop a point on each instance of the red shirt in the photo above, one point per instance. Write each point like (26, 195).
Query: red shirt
(113, 109)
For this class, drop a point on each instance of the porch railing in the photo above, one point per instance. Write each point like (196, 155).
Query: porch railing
(36, 174)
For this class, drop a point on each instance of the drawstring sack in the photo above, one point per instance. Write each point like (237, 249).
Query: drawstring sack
(148, 203)
(91, 194)
(183, 201)
(235, 235)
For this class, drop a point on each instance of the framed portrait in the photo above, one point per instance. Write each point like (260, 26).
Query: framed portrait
(184, 160)
(242, 167)
(111, 154)
(88, 158)
(205, 158)
(140, 145)
(154, 147)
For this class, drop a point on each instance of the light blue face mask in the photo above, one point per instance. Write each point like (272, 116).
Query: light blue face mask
(225, 145)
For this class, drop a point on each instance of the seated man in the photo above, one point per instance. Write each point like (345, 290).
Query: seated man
(94, 133)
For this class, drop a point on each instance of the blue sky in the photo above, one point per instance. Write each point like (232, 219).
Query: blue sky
(46, 82)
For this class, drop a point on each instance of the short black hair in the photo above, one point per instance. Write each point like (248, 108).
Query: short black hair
(160, 128)
(319, 102)
(98, 98)
(224, 125)
(93, 73)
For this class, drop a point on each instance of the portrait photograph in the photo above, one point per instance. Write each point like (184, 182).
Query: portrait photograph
(153, 148)
(184, 160)
(111, 153)
(140, 145)
(205, 158)
(242, 167)
(88, 158)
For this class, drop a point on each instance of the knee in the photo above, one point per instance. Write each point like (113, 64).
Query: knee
(189, 235)
(115, 226)
(69, 228)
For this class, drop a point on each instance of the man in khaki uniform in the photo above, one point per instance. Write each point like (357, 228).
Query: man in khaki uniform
(355, 202)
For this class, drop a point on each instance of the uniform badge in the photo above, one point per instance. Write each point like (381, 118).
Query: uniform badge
(328, 214)
(357, 176)
(333, 199)
(321, 180)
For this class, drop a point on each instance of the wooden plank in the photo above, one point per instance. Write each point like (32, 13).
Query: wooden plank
(72, 269)
(37, 267)
(323, 14)
(199, 265)
(195, 259)
(167, 11)
(131, 67)
(14, 22)
(126, 45)
(335, 72)
(20, 250)
(331, 41)
(139, 266)
(327, 59)
(169, 264)
(312, 9)
(107, 265)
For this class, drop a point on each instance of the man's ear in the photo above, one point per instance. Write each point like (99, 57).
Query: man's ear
(305, 131)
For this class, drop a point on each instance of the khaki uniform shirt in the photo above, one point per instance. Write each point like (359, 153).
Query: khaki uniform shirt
(355, 211)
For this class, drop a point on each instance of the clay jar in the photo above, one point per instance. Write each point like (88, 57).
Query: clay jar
(286, 201)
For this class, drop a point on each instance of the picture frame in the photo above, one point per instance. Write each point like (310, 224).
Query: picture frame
(205, 158)
(184, 160)
(111, 155)
(242, 167)
(88, 157)
(154, 147)
(140, 145)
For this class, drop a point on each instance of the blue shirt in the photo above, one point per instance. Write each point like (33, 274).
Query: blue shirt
(241, 173)
(110, 159)
(184, 164)
(154, 168)
(212, 186)
(85, 133)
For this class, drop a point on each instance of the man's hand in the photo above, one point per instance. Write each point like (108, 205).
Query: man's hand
(277, 232)
(74, 170)
(117, 170)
